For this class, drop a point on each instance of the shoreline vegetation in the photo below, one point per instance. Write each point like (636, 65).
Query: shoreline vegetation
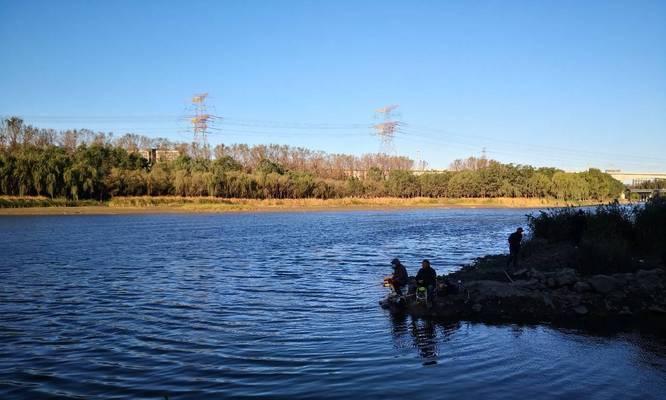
(39, 205)
(81, 165)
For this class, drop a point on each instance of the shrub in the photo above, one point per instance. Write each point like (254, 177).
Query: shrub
(559, 225)
(607, 255)
(650, 227)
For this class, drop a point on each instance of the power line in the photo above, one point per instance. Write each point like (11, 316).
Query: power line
(545, 154)
(243, 126)
(548, 147)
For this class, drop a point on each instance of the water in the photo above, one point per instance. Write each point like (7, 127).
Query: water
(279, 305)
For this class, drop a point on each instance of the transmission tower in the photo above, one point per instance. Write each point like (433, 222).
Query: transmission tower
(420, 163)
(387, 129)
(200, 120)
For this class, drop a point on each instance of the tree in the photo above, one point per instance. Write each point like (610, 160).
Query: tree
(402, 184)
(266, 166)
(83, 164)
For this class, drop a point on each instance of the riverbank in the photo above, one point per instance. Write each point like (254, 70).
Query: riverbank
(140, 205)
(546, 289)
(585, 266)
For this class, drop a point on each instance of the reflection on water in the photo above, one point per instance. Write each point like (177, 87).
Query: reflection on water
(427, 336)
(276, 306)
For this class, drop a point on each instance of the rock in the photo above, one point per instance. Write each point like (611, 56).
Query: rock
(623, 279)
(520, 272)
(552, 296)
(609, 306)
(649, 280)
(530, 286)
(580, 310)
(548, 301)
(657, 309)
(603, 283)
(536, 275)
(484, 290)
(574, 300)
(566, 277)
(582, 287)
(625, 311)
(643, 274)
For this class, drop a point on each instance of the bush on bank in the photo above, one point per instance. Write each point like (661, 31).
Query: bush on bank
(612, 238)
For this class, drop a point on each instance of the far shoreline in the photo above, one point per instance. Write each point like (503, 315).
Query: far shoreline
(207, 205)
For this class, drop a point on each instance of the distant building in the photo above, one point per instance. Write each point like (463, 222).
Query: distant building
(356, 173)
(635, 178)
(145, 154)
(159, 155)
(165, 155)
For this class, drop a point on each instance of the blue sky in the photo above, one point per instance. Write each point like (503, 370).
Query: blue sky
(563, 83)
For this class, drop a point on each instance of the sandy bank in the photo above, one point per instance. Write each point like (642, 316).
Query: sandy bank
(195, 205)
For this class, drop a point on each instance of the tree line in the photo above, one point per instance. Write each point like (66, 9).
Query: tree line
(81, 164)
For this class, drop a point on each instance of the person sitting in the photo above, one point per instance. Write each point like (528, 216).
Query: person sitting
(514, 247)
(399, 278)
(427, 277)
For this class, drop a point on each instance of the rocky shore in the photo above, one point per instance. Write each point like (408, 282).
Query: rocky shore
(545, 290)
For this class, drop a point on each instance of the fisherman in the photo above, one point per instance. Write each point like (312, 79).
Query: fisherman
(427, 277)
(514, 247)
(400, 277)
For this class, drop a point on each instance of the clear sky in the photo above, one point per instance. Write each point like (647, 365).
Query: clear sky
(573, 84)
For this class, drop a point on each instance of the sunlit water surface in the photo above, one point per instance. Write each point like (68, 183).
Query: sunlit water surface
(277, 305)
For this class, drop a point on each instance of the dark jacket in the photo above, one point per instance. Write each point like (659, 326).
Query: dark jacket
(428, 276)
(400, 275)
(514, 240)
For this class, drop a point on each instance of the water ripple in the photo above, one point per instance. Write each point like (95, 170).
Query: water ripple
(276, 306)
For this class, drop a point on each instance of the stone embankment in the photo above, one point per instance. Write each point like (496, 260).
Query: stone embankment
(559, 295)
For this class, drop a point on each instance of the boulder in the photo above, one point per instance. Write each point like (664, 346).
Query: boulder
(623, 279)
(566, 277)
(581, 310)
(523, 272)
(649, 279)
(534, 274)
(531, 284)
(657, 309)
(626, 311)
(603, 283)
(582, 287)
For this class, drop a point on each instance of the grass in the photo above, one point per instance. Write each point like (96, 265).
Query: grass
(40, 201)
(40, 205)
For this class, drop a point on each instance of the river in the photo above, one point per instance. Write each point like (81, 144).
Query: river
(278, 305)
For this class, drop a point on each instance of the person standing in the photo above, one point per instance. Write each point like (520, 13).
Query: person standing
(515, 240)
